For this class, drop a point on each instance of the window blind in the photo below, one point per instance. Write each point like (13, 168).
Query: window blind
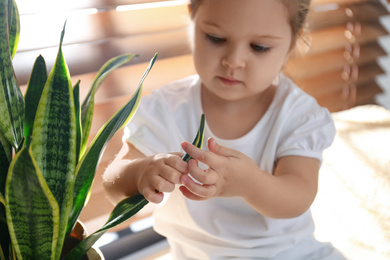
(98, 30)
(343, 35)
(340, 67)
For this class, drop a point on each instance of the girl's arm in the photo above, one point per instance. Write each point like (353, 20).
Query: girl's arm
(131, 172)
(287, 193)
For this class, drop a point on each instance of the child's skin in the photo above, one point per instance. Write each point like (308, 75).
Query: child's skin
(239, 48)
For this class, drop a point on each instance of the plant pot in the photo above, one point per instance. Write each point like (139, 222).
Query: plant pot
(79, 233)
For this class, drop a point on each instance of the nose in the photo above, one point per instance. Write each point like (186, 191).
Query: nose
(234, 58)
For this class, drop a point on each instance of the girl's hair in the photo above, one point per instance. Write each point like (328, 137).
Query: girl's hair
(297, 11)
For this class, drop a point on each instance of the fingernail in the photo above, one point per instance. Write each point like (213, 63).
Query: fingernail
(212, 141)
(184, 179)
(193, 162)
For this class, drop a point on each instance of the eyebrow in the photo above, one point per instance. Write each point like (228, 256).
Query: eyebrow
(269, 37)
(211, 24)
(265, 36)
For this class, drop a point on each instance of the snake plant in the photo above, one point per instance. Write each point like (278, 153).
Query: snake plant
(46, 168)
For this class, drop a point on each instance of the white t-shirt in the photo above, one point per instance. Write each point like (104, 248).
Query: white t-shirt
(224, 228)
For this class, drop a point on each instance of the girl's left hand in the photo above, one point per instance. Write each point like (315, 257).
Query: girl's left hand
(225, 176)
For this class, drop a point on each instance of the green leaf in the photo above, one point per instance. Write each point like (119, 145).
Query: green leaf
(76, 97)
(87, 166)
(5, 159)
(4, 234)
(11, 98)
(87, 107)
(14, 26)
(2, 201)
(54, 138)
(198, 141)
(2, 255)
(123, 211)
(32, 211)
(33, 94)
(2, 211)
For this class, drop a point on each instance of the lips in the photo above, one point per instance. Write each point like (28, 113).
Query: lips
(229, 81)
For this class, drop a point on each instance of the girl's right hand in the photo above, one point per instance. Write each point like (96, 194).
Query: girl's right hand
(131, 173)
(158, 174)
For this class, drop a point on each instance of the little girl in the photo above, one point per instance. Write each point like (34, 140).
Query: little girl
(248, 194)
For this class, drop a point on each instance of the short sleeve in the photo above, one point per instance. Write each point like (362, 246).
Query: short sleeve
(307, 134)
(153, 130)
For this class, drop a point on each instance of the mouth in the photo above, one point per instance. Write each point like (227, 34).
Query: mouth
(229, 81)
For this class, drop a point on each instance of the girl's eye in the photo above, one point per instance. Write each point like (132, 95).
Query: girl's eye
(214, 39)
(259, 48)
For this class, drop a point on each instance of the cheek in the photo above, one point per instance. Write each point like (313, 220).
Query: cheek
(204, 68)
(204, 56)
(266, 69)
(277, 60)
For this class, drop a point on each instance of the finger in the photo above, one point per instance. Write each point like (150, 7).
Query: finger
(151, 195)
(219, 149)
(206, 191)
(178, 154)
(207, 177)
(171, 175)
(189, 195)
(198, 154)
(162, 185)
(171, 167)
(177, 164)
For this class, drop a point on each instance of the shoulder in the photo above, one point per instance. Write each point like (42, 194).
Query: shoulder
(293, 96)
(305, 127)
(295, 103)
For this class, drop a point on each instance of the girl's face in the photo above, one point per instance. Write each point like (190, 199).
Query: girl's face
(240, 46)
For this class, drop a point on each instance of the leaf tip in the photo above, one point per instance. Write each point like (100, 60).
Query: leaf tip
(63, 33)
(154, 59)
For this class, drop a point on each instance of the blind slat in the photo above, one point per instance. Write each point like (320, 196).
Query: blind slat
(85, 58)
(311, 66)
(331, 82)
(334, 38)
(44, 6)
(369, 72)
(366, 93)
(362, 12)
(339, 2)
(337, 101)
(38, 33)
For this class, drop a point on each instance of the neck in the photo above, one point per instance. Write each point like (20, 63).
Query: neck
(212, 102)
(233, 119)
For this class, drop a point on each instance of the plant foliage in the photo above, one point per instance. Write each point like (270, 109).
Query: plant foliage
(46, 168)
(44, 185)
